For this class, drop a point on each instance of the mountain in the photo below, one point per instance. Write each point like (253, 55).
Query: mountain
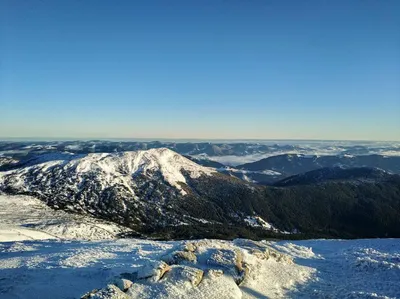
(138, 183)
(321, 175)
(206, 162)
(249, 150)
(159, 192)
(292, 164)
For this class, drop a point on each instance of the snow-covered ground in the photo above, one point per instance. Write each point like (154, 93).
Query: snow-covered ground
(320, 268)
(27, 218)
(53, 254)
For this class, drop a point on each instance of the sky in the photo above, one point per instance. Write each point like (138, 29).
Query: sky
(200, 69)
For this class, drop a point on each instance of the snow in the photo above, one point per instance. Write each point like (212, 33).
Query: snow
(27, 218)
(118, 168)
(320, 268)
(257, 221)
(244, 172)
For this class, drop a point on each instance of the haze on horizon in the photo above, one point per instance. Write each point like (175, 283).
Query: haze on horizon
(200, 70)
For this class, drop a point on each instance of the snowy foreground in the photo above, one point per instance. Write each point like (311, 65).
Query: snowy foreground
(200, 269)
(53, 254)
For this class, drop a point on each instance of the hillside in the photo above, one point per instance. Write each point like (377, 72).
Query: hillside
(161, 193)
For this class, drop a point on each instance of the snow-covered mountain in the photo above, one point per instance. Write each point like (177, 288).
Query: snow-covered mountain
(107, 184)
(159, 191)
(110, 168)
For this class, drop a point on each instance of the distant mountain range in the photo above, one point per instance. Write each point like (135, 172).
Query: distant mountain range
(268, 162)
(291, 164)
(158, 191)
(252, 150)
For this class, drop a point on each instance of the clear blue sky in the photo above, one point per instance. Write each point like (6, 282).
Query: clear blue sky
(200, 69)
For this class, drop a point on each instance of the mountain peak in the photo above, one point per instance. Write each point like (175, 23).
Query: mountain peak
(114, 168)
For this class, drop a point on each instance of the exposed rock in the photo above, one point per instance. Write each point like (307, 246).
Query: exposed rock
(184, 256)
(89, 294)
(191, 274)
(213, 273)
(122, 283)
(154, 271)
(191, 247)
(225, 258)
(280, 257)
(109, 292)
(242, 275)
(259, 254)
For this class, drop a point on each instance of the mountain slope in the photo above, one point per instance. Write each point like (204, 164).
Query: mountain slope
(292, 164)
(159, 191)
(107, 185)
(335, 174)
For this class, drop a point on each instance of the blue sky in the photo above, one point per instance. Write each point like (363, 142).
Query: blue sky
(200, 69)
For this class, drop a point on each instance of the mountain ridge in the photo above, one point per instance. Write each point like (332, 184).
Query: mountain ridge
(143, 191)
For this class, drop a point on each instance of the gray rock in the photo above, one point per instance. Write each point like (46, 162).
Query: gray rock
(109, 292)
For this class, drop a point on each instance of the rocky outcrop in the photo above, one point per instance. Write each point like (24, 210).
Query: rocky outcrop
(198, 267)
(109, 292)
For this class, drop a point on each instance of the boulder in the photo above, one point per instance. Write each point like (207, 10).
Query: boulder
(153, 271)
(189, 246)
(226, 258)
(180, 257)
(185, 273)
(122, 283)
(109, 292)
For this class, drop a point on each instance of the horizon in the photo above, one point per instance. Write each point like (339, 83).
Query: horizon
(188, 140)
(200, 71)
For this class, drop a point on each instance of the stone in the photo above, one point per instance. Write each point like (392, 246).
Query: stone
(191, 247)
(225, 258)
(188, 256)
(153, 271)
(179, 273)
(122, 284)
(109, 292)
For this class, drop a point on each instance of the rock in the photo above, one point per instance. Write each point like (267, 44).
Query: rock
(109, 292)
(271, 253)
(153, 270)
(191, 274)
(178, 257)
(89, 294)
(225, 258)
(122, 283)
(280, 257)
(259, 254)
(212, 273)
(191, 247)
(242, 275)
(188, 256)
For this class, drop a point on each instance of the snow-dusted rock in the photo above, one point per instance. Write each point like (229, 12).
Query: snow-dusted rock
(122, 283)
(179, 257)
(225, 258)
(153, 271)
(189, 246)
(109, 292)
(185, 273)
